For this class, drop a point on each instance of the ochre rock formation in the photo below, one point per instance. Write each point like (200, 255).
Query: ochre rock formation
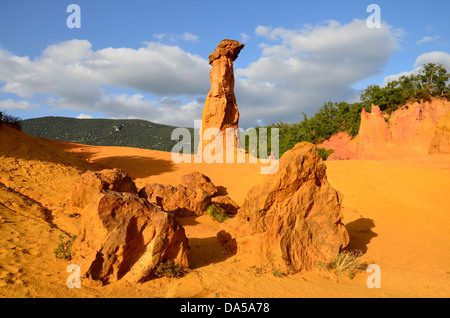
(123, 235)
(441, 139)
(373, 127)
(373, 131)
(411, 131)
(413, 126)
(220, 111)
(293, 220)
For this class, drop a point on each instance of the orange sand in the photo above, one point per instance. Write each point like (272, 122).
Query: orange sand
(396, 212)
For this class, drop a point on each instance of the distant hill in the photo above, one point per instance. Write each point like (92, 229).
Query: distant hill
(135, 133)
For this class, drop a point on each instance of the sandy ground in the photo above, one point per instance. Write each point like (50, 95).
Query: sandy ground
(396, 212)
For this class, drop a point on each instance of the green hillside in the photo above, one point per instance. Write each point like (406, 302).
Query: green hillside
(103, 132)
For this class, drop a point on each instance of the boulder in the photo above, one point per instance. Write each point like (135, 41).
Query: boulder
(220, 111)
(179, 200)
(293, 220)
(198, 182)
(125, 236)
(92, 182)
(226, 203)
(191, 197)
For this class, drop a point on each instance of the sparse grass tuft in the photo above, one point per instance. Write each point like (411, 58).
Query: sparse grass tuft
(217, 213)
(346, 263)
(64, 249)
(270, 267)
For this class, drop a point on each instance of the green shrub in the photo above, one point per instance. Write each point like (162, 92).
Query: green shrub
(217, 213)
(430, 81)
(277, 273)
(168, 269)
(323, 153)
(11, 121)
(64, 249)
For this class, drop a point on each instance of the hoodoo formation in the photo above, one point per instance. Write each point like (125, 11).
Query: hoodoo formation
(220, 111)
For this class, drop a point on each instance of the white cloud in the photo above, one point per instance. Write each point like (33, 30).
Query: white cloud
(16, 105)
(68, 52)
(436, 57)
(189, 36)
(300, 70)
(428, 39)
(395, 77)
(70, 75)
(244, 37)
(84, 116)
(174, 38)
(297, 72)
(155, 69)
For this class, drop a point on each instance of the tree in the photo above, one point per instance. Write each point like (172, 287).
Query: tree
(430, 81)
(11, 121)
(433, 79)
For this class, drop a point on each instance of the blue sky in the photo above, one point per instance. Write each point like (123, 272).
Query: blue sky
(148, 59)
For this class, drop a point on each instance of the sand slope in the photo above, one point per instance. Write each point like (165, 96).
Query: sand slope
(396, 212)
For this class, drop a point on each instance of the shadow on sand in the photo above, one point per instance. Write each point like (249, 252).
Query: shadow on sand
(221, 190)
(207, 251)
(78, 150)
(136, 166)
(360, 232)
